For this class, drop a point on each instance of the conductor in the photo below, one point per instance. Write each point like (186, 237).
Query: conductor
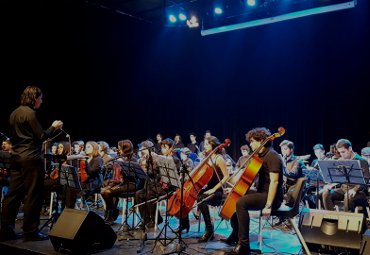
(27, 173)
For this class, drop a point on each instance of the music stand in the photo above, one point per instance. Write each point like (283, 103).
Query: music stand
(342, 171)
(134, 171)
(169, 175)
(67, 177)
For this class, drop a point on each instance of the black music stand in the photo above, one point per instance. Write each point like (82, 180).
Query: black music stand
(181, 245)
(169, 175)
(132, 170)
(67, 177)
(342, 171)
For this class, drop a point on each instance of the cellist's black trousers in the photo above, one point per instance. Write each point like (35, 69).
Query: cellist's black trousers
(251, 201)
(216, 200)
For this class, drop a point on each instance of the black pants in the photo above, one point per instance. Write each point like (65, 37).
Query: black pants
(27, 185)
(340, 194)
(251, 201)
(110, 192)
(216, 200)
(147, 210)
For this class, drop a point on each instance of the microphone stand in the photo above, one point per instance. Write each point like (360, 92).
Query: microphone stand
(125, 226)
(181, 245)
(144, 236)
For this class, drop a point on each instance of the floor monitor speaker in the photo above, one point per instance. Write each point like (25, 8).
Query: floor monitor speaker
(81, 231)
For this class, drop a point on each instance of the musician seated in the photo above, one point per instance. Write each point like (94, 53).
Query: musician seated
(152, 187)
(94, 165)
(212, 194)
(294, 166)
(351, 194)
(51, 178)
(119, 184)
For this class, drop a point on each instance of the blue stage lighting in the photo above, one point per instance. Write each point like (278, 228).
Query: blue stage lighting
(251, 2)
(182, 16)
(172, 18)
(218, 10)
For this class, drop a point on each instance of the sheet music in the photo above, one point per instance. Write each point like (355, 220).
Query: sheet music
(342, 171)
(168, 170)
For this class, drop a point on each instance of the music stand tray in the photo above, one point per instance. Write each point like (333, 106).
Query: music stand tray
(132, 169)
(342, 171)
(168, 171)
(68, 176)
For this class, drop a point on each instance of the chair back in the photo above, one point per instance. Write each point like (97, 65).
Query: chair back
(295, 193)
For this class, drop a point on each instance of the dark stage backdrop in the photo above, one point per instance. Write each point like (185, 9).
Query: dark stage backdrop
(109, 77)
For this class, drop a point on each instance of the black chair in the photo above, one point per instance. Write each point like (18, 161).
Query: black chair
(289, 212)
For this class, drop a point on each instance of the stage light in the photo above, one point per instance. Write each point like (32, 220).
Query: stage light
(192, 22)
(182, 16)
(251, 2)
(218, 10)
(172, 18)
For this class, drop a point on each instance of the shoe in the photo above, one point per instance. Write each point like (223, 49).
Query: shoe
(107, 215)
(230, 240)
(207, 236)
(110, 221)
(150, 224)
(34, 236)
(196, 215)
(115, 213)
(160, 219)
(240, 250)
(9, 234)
(186, 227)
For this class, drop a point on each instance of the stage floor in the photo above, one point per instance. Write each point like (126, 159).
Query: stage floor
(277, 240)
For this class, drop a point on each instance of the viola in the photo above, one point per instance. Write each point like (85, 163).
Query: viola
(54, 174)
(200, 177)
(243, 184)
(82, 170)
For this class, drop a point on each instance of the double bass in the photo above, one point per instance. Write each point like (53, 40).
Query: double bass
(242, 186)
(199, 177)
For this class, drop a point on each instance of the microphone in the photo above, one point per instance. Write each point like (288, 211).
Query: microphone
(2, 135)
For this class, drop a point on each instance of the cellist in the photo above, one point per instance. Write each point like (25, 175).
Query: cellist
(269, 193)
(214, 187)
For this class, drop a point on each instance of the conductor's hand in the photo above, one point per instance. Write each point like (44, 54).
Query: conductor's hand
(58, 124)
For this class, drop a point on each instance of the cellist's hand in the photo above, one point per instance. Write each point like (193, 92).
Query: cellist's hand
(227, 190)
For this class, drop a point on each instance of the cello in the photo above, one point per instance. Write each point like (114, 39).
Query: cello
(242, 186)
(199, 178)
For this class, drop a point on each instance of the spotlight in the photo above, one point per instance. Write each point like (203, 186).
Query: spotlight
(192, 22)
(218, 10)
(251, 2)
(182, 16)
(172, 18)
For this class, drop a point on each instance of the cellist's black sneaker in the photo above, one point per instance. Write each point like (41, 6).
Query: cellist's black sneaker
(207, 236)
(230, 240)
(34, 236)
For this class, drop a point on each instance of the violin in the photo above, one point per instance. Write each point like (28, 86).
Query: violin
(242, 186)
(200, 176)
(82, 170)
(54, 174)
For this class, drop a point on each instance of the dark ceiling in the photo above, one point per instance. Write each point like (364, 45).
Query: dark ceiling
(152, 11)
